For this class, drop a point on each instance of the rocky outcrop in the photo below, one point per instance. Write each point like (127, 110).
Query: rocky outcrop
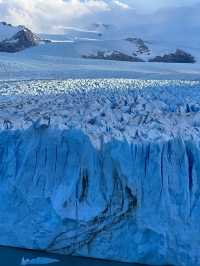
(20, 41)
(142, 47)
(4, 23)
(114, 55)
(179, 56)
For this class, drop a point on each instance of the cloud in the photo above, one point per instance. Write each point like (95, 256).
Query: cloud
(53, 15)
(121, 4)
(42, 15)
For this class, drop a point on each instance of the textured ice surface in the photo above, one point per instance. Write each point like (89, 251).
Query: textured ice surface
(102, 168)
(128, 110)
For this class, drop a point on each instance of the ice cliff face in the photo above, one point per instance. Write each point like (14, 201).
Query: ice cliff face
(133, 199)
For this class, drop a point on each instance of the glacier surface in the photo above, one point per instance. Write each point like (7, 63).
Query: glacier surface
(102, 168)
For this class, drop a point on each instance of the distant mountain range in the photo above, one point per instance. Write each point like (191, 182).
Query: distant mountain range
(105, 42)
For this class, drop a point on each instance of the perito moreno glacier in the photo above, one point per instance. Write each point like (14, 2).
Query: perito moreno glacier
(102, 168)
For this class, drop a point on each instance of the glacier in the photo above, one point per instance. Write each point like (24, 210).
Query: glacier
(102, 168)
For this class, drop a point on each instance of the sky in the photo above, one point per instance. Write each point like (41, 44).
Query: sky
(52, 15)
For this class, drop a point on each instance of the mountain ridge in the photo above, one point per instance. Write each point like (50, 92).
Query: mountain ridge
(16, 38)
(96, 41)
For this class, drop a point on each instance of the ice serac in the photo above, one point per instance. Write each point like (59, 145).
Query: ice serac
(134, 202)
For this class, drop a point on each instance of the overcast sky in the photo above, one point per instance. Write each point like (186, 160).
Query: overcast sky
(149, 5)
(49, 15)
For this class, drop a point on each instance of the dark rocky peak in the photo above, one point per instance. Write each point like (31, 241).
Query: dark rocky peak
(27, 37)
(23, 39)
(113, 55)
(142, 47)
(179, 56)
(5, 24)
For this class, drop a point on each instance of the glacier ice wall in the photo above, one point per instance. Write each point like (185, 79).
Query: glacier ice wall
(102, 168)
(136, 202)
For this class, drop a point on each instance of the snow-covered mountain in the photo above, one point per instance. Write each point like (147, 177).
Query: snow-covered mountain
(101, 41)
(16, 38)
(106, 41)
(7, 30)
(71, 51)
